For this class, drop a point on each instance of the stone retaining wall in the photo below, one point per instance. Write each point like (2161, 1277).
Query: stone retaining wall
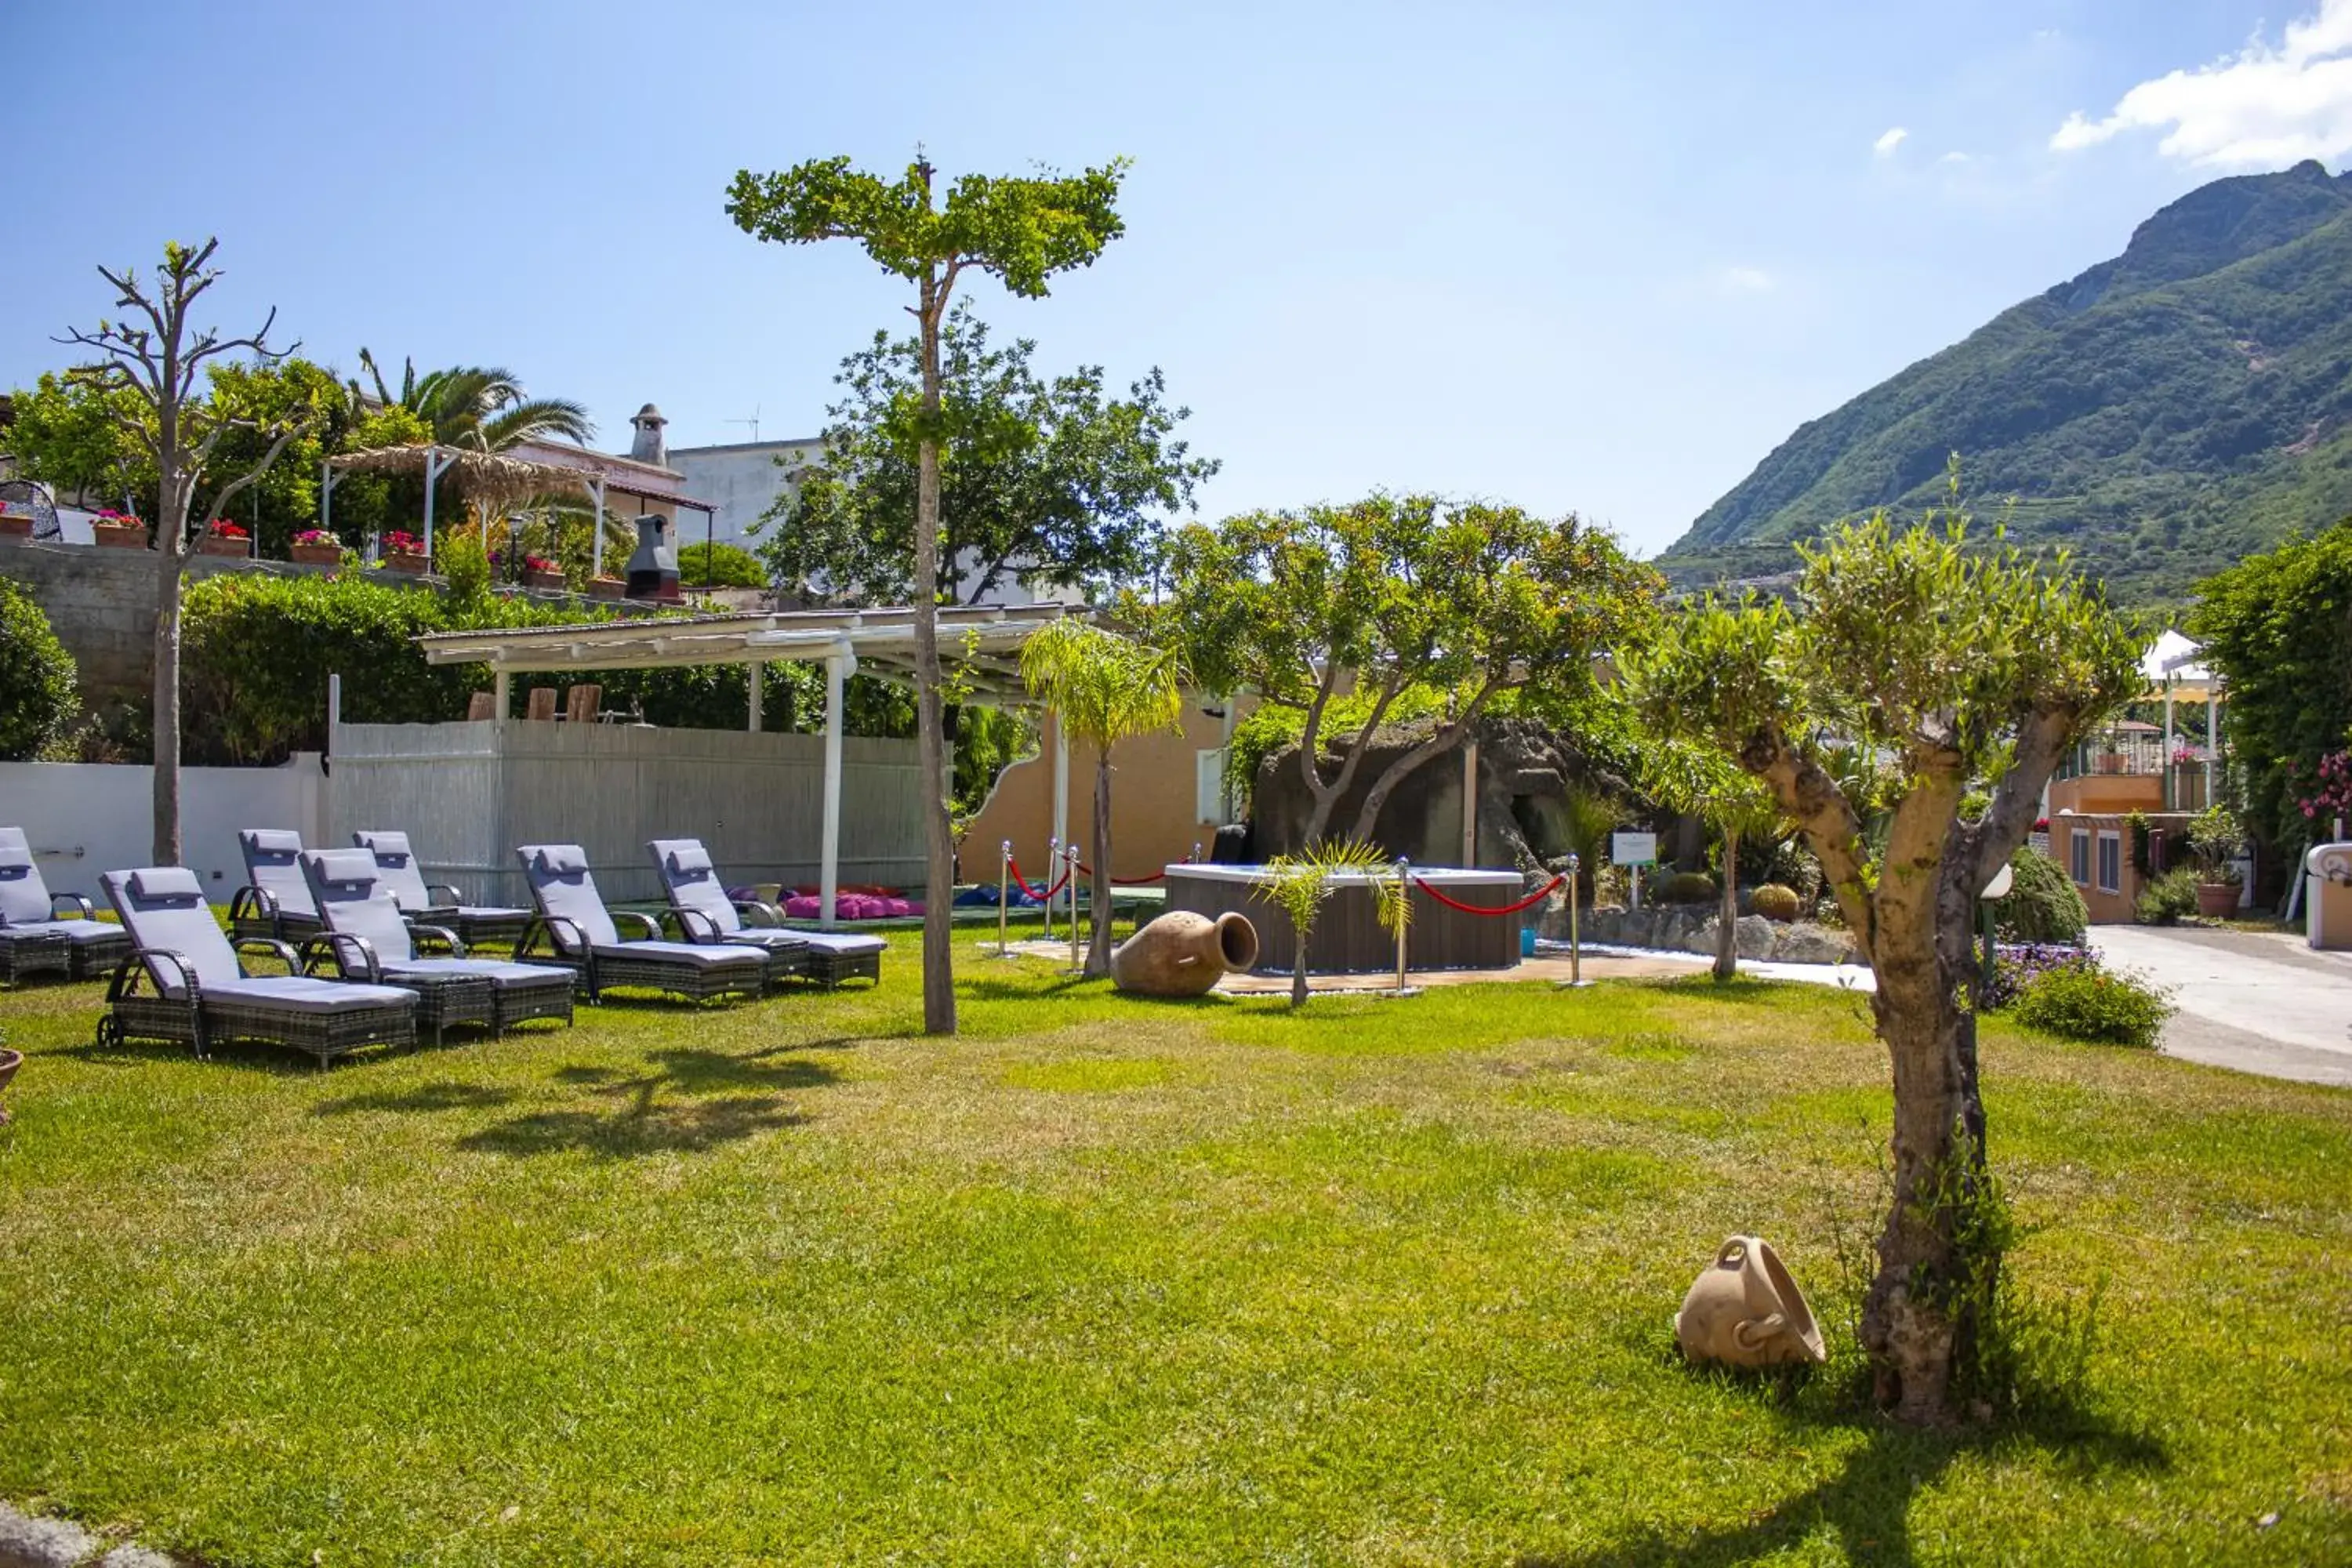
(1692, 928)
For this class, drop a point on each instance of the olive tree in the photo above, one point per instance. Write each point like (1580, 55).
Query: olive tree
(1393, 592)
(1958, 669)
(1021, 231)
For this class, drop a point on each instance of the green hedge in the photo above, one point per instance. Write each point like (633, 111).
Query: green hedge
(2043, 905)
(38, 697)
(258, 650)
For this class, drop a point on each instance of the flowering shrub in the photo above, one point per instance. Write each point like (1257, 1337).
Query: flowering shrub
(2331, 792)
(395, 542)
(539, 563)
(2017, 965)
(317, 536)
(223, 528)
(111, 518)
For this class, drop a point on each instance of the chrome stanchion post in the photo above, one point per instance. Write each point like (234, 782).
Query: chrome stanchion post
(1075, 962)
(1052, 859)
(1575, 942)
(1196, 853)
(1404, 910)
(1003, 881)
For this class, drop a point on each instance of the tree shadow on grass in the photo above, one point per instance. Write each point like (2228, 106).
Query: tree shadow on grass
(1867, 1503)
(427, 1097)
(689, 1101)
(982, 989)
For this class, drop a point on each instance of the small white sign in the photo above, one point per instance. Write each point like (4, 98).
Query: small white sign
(1633, 848)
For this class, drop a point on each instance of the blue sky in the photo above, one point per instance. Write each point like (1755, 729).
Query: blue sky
(1599, 258)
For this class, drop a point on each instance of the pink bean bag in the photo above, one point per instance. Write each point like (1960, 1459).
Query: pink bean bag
(802, 907)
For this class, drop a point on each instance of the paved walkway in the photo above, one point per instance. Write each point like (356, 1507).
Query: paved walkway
(2260, 1002)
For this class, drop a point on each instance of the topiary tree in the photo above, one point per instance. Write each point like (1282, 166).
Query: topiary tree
(1963, 669)
(2042, 906)
(718, 565)
(37, 693)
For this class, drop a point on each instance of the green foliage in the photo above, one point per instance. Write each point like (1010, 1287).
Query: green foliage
(1404, 593)
(2274, 625)
(1688, 888)
(712, 564)
(37, 694)
(259, 649)
(2162, 415)
(477, 406)
(2216, 835)
(2083, 1002)
(1298, 885)
(67, 433)
(1044, 478)
(2043, 905)
(1104, 687)
(1775, 902)
(1269, 728)
(2167, 900)
(465, 567)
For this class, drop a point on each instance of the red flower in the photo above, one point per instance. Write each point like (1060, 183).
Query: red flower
(224, 528)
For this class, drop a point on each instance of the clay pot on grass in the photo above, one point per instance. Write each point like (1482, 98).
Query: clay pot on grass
(2217, 901)
(1745, 1311)
(1183, 955)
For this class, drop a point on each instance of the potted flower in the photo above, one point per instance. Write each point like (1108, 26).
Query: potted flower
(609, 587)
(539, 571)
(225, 538)
(15, 524)
(2215, 836)
(317, 547)
(119, 531)
(403, 552)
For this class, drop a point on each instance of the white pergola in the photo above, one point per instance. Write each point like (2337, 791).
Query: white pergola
(981, 644)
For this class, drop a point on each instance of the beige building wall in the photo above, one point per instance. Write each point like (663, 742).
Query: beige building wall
(1158, 812)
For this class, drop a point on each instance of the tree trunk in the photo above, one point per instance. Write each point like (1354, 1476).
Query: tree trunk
(166, 717)
(1298, 971)
(1921, 1313)
(938, 831)
(1727, 924)
(1098, 891)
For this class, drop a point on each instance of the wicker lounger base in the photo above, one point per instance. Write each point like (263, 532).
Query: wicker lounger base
(695, 982)
(444, 1000)
(174, 1022)
(830, 969)
(97, 958)
(295, 928)
(520, 1004)
(499, 932)
(26, 953)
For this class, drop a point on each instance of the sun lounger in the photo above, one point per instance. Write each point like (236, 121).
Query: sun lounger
(704, 913)
(476, 925)
(200, 993)
(45, 933)
(275, 902)
(367, 938)
(582, 935)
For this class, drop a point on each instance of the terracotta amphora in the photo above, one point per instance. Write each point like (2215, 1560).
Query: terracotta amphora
(1183, 955)
(1745, 1311)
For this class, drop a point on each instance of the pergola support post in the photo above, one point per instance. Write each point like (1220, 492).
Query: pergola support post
(2164, 768)
(837, 670)
(435, 464)
(503, 699)
(1061, 788)
(756, 674)
(596, 533)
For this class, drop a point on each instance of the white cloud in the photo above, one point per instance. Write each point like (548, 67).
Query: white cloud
(1954, 158)
(1885, 146)
(2267, 105)
(1746, 281)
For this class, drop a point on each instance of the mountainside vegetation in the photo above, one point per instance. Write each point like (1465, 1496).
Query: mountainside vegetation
(2163, 414)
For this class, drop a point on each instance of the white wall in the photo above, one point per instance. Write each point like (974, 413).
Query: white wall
(742, 479)
(88, 817)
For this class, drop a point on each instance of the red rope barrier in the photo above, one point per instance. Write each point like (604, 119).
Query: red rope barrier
(1022, 882)
(1530, 901)
(1125, 881)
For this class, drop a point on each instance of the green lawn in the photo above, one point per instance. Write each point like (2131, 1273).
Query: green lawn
(1102, 1282)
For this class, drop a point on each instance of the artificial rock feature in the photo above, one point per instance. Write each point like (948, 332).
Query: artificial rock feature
(1183, 955)
(1691, 930)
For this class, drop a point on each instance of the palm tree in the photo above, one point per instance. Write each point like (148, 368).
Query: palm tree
(1298, 885)
(479, 407)
(1102, 688)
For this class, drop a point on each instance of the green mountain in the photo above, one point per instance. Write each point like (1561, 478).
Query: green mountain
(2163, 414)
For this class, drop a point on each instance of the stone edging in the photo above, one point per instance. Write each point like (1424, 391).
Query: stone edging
(26, 1542)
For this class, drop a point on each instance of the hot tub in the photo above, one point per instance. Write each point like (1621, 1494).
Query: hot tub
(1348, 937)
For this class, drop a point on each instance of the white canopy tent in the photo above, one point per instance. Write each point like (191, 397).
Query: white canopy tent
(983, 644)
